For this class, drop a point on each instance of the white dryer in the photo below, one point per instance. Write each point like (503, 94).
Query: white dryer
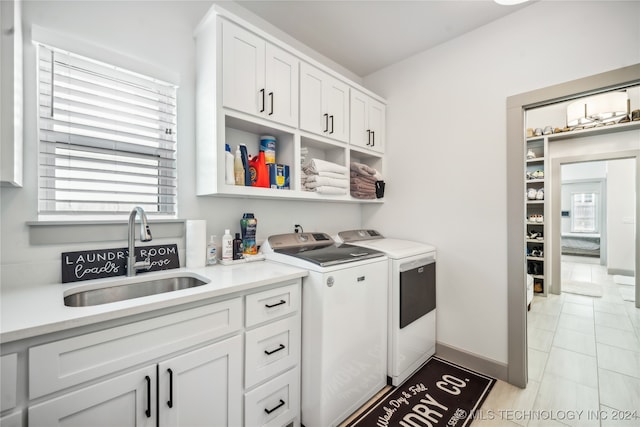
(411, 331)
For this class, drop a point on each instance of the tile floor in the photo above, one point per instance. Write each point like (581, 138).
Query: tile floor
(584, 360)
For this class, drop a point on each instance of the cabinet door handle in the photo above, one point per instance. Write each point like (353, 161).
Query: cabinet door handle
(268, 411)
(148, 411)
(170, 401)
(326, 123)
(280, 347)
(373, 137)
(368, 137)
(262, 92)
(276, 304)
(331, 117)
(271, 97)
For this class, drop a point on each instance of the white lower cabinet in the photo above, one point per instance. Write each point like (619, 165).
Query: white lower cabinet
(127, 401)
(194, 389)
(182, 369)
(276, 403)
(272, 357)
(201, 388)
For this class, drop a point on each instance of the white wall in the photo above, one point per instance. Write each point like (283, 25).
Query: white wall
(621, 227)
(160, 34)
(446, 133)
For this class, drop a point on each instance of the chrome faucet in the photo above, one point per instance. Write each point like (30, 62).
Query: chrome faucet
(145, 236)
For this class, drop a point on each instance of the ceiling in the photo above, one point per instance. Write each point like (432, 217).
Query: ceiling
(367, 35)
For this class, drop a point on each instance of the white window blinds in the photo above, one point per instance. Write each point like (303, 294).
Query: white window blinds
(107, 139)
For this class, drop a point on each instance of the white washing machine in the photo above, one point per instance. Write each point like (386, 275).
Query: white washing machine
(412, 300)
(344, 323)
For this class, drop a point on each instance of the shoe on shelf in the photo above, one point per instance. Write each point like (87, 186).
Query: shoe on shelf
(532, 193)
(532, 235)
(538, 174)
(540, 194)
(539, 218)
(537, 287)
(531, 154)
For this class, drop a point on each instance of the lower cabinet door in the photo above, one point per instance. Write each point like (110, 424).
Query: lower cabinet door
(202, 387)
(275, 403)
(126, 400)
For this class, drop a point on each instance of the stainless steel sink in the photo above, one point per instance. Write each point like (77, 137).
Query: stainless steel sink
(130, 290)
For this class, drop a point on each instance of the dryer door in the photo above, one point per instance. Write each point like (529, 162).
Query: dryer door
(417, 289)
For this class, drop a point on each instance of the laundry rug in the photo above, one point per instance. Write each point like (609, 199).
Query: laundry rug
(439, 394)
(589, 289)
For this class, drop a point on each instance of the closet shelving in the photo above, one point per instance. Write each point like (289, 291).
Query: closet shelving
(539, 145)
(535, 229)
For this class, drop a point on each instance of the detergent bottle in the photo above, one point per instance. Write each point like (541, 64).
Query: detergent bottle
(259, 171)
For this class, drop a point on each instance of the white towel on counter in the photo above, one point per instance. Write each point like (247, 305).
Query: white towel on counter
(319, 165)
(314, 181)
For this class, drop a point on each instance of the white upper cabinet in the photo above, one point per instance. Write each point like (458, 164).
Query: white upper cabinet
(324, 104)
(11, 116)
(258, 78)
(367, 122)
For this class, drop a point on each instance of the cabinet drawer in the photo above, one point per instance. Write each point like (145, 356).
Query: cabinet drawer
(8, 381)
(68, 362)
(271, 349)
(272, 304)
(275, 403)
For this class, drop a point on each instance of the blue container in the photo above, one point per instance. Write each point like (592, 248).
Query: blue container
(279, 176)
(268, 145)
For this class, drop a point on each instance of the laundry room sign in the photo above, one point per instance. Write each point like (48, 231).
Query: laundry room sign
(101, 263)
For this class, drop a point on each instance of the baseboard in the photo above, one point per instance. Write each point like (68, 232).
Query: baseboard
(620, 272)
(472, 361)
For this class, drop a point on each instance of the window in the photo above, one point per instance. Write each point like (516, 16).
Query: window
(107, 139)
(584, 215)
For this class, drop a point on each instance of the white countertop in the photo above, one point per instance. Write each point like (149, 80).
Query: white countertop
(36, 310)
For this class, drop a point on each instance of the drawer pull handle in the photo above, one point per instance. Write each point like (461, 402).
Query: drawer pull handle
(280, 347)
(148, 411)
(271, 96)
(170, 401)
(263, 103)
(268, 411)
(276, 304)
(326, 123)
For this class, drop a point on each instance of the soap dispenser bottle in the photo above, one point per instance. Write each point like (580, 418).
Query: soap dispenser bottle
(237, 247)
(227, 246)
(212, 251)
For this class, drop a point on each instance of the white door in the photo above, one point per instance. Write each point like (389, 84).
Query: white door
(202, 387)
(243, 73)
(281, 86)
(376, 112)
(359, 131)
(313, 117)
(338, 109)
(125, 401)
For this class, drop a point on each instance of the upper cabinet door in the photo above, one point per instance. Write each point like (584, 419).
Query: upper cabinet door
(258, 78)
(243, 73)
(312, 117)
(338, 109)
(281, 86)
(367, 122)
(324, 104)
(377, 113)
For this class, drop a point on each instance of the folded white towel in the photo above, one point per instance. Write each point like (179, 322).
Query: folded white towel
(326, 189)
(330, 175)
(314, 181)
(319, 165)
